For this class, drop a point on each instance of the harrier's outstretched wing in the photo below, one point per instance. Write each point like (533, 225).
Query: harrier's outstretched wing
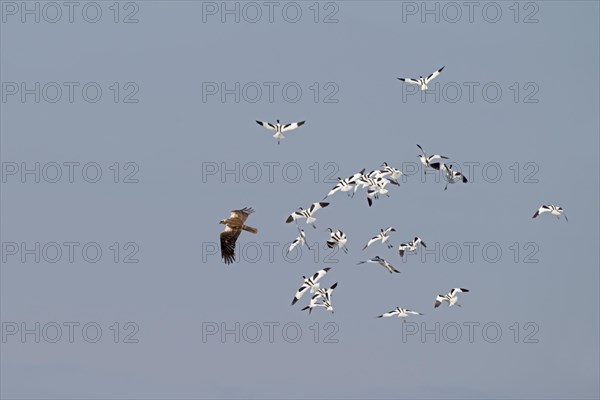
(228, 239)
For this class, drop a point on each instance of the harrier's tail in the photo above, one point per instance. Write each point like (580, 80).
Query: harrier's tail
(249, 229)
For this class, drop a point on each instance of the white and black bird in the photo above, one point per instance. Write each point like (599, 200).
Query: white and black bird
(410, 246)
(299, 241)
(386, 174)
(375, 183)
(450, 175)
(280, 128)
(399, 312)
(354, 181)
(394, 173)
(311, 283)
(314, 303)
(552, 209)
(451, 298)
(363, 180)
(382, 236)
(422, 82)
(308, 214)
(326, 293)
(337, 238)
(375, 187)
(426, 160)
(345, 185)
(382, 262)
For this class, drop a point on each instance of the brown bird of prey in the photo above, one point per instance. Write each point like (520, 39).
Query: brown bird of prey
(234, 225)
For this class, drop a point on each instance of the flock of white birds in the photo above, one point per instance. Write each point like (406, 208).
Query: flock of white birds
(374, 183)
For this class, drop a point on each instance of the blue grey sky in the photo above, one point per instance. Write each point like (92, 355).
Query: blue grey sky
(535, 143)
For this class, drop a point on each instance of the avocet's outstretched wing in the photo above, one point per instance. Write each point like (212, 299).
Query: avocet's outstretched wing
(433, 75)
(410, 80)
(267, 125)
(292, 126)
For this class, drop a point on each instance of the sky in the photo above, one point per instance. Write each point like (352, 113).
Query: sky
(127, 132)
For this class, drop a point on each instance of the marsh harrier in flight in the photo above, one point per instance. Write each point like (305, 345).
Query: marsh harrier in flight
(234, 225)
